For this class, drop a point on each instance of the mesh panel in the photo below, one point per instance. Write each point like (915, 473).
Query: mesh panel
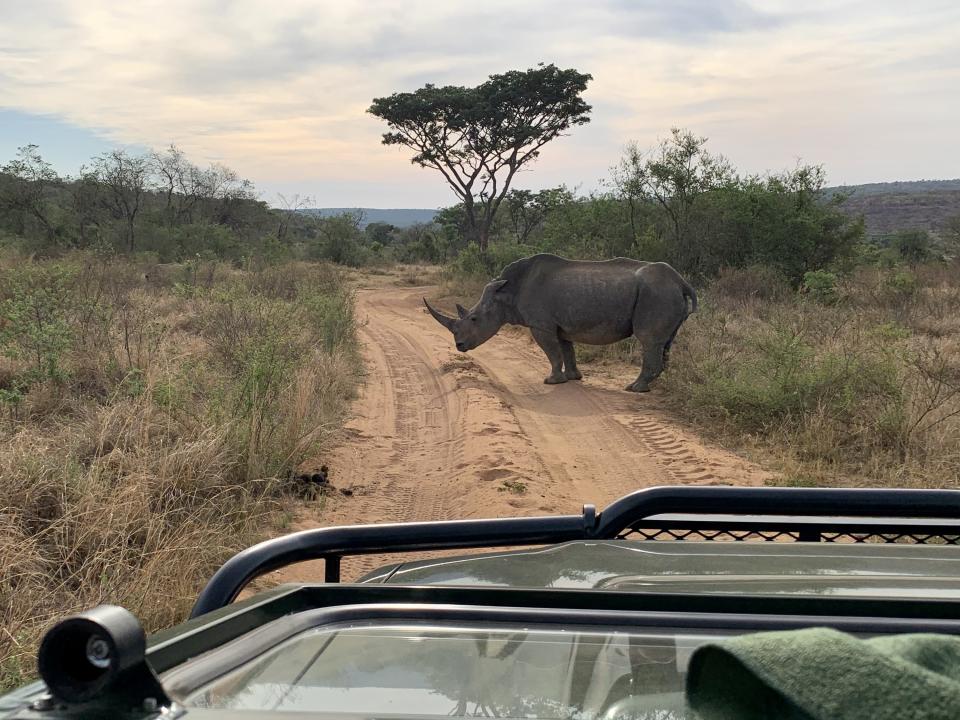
(807, 534)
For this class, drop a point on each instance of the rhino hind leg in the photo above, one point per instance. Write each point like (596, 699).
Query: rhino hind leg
(654, 355)
(549, 342)
(666, 347)
(570, 370)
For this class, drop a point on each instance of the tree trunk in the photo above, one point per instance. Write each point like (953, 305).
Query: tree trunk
(51, 231)
(476, 233)
(483, 239)
(130, 235)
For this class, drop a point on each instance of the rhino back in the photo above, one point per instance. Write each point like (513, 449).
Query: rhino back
(588, 301)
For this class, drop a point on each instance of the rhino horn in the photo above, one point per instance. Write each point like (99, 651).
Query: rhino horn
(447, 322)
(461, 311)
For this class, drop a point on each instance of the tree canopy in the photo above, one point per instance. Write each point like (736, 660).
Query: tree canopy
(480, 137)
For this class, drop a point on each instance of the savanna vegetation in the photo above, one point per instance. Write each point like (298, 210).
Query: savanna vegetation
(151, 417)
(832, 349)
(833, 356)
(847, 380)
(171, 347)
(160, 207)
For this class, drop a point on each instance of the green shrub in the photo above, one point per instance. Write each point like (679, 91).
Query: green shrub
(331, 315)
(912, 246)
(35, 324)
(472, 263)
(206, 241)
(821, 286)
(901, 284)
(779, 379)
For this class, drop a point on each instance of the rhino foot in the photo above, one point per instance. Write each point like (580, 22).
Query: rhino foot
(554, 379)
(637, 387)
(575, 375)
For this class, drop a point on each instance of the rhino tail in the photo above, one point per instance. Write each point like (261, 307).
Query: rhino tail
(689, 292)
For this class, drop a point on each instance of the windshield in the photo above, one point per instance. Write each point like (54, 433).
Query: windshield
(463, 672)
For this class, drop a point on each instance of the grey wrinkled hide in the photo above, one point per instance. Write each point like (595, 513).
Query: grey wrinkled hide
(592, 302)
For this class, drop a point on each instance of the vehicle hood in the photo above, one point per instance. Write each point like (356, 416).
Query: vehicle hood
(874, 570)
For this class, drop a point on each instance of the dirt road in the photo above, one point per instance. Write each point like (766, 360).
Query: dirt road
(438, 434)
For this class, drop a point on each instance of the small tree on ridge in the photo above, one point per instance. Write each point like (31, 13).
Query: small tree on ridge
(480, 137)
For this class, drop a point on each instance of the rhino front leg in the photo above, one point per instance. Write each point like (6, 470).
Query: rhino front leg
(570, 370)
(549, 342)
(652, 367)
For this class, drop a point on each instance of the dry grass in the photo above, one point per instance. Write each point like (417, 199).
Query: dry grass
(862, 391)
(149, 422)
(456, 288)
(417, 275)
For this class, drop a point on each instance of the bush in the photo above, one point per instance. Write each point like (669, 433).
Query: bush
(898, 289)
(181, 408)
(912, 246)
(34, 323)
(472, 263)
(821, 286)
(780, 379)
(331, 313)
(864, 391)
(757, 282)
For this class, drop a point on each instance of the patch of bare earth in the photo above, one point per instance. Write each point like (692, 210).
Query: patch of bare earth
(438, 434)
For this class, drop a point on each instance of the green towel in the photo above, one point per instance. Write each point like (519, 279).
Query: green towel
(822, 674)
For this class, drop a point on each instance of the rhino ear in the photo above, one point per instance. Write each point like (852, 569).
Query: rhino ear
(497, 285)
(461, 311)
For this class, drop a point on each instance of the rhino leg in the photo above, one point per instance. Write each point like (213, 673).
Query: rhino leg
(549, 342)
(653, 357)
(666, 347)
(570, 370)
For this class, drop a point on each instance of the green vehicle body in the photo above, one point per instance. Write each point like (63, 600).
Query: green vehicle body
(592, 628)
(852, 570)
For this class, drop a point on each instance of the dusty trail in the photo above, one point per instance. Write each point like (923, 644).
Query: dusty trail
(437, 434)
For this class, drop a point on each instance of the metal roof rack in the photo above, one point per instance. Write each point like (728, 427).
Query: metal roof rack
(308, 604)
(671, 513)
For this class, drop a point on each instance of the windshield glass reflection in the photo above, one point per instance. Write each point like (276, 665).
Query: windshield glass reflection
(464, 672)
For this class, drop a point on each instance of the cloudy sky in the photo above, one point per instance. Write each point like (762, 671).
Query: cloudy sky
(278, 90)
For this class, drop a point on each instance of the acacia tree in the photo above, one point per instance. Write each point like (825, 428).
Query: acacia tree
(26, 192)
(180, 181)
(291, 208)
(123, 182)
(480, 137)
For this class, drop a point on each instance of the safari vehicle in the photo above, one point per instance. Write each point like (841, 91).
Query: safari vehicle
(594, 616)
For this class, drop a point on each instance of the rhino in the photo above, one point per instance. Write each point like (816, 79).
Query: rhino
(592, 302)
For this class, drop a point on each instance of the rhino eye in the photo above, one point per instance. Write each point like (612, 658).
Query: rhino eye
(473, 319)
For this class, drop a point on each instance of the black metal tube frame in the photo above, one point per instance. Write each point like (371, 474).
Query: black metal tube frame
(816, 510)
(196, 637)
(218, 660)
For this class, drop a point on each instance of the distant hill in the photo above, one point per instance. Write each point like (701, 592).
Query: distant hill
(900, 186)
(400, 217)
(908, 205)
(886, 207)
